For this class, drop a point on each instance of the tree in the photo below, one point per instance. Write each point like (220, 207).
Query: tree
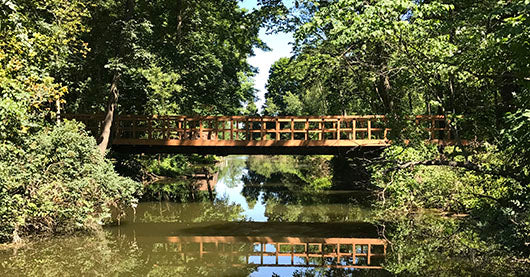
(170, 57)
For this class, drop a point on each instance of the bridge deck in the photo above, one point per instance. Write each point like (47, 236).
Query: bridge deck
(257, 135)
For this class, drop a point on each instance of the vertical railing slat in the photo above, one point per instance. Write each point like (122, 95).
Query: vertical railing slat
(306, 128)
(354, 129)
(231, 129)
(277, 129)
(369, 255)
(292, 128)
(320, 129)
(369, 125)
(262, 133)
(338, 129)
(185, 123)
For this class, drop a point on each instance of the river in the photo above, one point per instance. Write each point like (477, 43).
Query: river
(257, 225)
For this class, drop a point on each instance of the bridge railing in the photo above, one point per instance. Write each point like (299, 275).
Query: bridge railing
(288, 251)
(249, 128)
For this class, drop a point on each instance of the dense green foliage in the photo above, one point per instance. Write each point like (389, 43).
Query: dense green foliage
(56, 181)
(51, 178)
(159, 57)
(166, 57)
(467, 60)
(403, 58)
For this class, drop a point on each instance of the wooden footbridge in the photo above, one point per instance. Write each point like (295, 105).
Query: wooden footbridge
(225, 135)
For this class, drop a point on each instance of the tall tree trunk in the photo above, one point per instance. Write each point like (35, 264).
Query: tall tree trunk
(383, 90)
(114, 93)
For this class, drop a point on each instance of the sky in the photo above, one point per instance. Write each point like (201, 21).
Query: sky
(280, 47)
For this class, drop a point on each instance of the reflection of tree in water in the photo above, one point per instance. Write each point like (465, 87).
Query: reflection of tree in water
(105, 254)
(303, 173)
(231, 169)
(284, 185)
(219, 210)
(432, 245)
(94, 255)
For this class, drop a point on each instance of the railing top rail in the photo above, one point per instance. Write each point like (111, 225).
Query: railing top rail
(250, 118)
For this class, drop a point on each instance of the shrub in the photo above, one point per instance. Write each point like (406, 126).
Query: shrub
(57, 181)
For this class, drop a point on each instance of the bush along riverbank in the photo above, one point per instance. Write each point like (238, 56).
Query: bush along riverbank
(483, 193)
(56, 181)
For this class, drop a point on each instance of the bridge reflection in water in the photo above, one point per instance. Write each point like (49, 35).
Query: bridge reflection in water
(355, 253)
(285, 245)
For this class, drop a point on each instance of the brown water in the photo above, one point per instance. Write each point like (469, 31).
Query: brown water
(249, 229)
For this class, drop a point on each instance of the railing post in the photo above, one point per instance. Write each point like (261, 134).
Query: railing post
(262, 133)
(247, 126)
(185, 128)
(277, 252)
(354, 129)
(179, 126)
(354, 252)
(292, 254)
(369, 253)
(168, 131)
(216, 129)
(231, 129)
(277, 129)
(251, 127)
(292, 128)
(369, 129)
(338, 129)
(306, 129)
(321, 130)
